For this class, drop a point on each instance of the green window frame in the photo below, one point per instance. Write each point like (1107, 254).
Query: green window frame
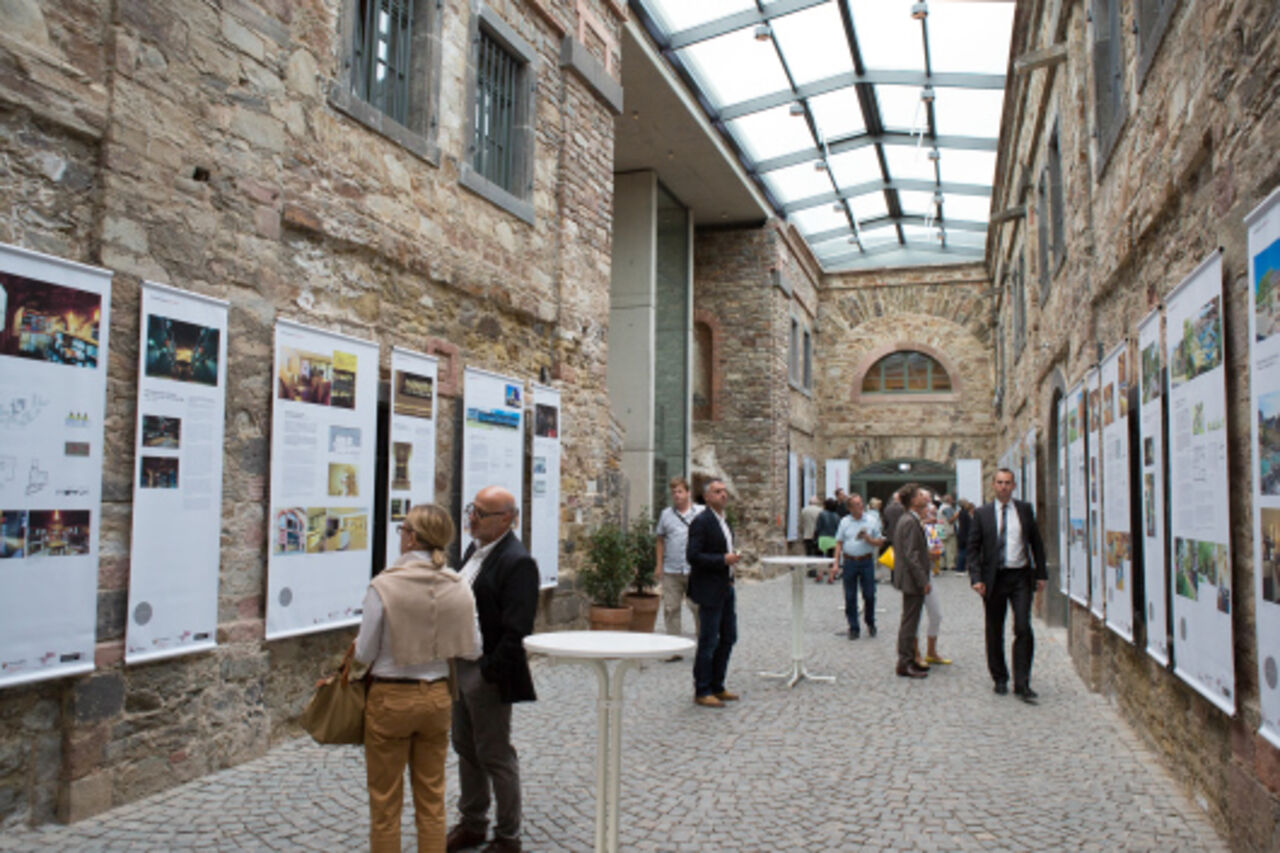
(907, 372)
(383, 56)
(498, 75)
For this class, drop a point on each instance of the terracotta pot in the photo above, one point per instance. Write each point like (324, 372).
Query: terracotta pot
(610, 618)
(644, 610)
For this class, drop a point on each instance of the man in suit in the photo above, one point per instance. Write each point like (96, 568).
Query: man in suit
(1005, 557)
(711, 561)
(504, 580)
(912, 567)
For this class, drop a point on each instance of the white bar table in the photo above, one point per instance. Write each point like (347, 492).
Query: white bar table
(797, 566)
(596, 649)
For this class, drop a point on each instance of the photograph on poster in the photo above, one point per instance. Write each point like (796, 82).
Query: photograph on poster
(57, 532)
(1108, 404)
(1150, 373)
(1095, 413)
(1093, 479)
(332, 529)
(415, 394)
(1073, 426)
(1271, 555)
(75, 448)
(344, 480)
(13, 534)
(181, 351)
(344, 381)
(1199, 348)
(1077, 532)
(1149, 451)
(1117, 548)
(1122, 383)
(159, 472)
(539, 464)
(160, 431)
(544, 421)
(1202, 563)
(493, 418)
(539, 487)
(512, 395)
(1149, 503)
(400, 508)
(403, 452)
(1266, 275)
(49, 322)
(324, 380)
(344, 439)
(291, 530)
(1269, 442)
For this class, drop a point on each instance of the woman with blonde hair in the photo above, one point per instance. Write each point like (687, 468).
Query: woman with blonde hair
(418, 615)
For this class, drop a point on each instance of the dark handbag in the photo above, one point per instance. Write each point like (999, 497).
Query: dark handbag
(335, 713)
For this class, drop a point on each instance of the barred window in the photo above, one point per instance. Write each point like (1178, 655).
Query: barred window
(1108, 77)
(382, 54)
(498, 75)
(906, 372)
(1153, 20)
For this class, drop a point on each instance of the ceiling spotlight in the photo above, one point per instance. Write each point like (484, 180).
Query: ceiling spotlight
(797, 109)
(937, 196)
(919, 11)
(927, 95)
(763, 32)
(819, 165)
(934, 155)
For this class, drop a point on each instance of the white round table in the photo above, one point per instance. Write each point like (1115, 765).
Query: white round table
(797, 564)
(596, 649)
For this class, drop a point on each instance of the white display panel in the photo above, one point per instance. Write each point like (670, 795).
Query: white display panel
(793, 497)
(1028, 484)
(177, 475)
(1077, 496)
(53, 385)
(544, 502)
(323, 431)
(1199, 504)
(1093, 447)
(969, 480)
(492, 438)
(411, 450)
(1264, 363)
(837, 476)
(810, 481)
(1151, 447)
(1064, 508)
(1117, 541)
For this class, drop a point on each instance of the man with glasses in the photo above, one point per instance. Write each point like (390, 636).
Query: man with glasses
(504, 580)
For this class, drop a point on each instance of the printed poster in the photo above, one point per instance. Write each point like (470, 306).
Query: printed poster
(1264, 363)
(1200, 522)
(1064, 509)
(1093, 449)
(53, 386)
(1117, 544)
(810, 480)
(177, 475)
(492, 438)
(837, 476)
(323, 431)
(1028, 484)
(544, 500)
(1151, 438)
(1077, 496)
(793, 497)
(411, 455)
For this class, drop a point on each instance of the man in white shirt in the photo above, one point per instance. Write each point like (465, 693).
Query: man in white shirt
(672, 572)
(858, 539)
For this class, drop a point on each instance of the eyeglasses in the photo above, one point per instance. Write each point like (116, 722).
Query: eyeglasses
(400, 528)
(473, 511)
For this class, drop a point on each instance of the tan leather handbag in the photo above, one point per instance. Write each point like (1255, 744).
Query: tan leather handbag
(335, 713)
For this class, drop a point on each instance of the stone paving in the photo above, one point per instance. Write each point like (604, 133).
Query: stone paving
(871, 762)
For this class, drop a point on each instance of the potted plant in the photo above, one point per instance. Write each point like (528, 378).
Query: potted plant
(604, 577)
(642, 599)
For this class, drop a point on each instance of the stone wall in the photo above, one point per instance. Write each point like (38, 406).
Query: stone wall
(201, 146)
(1193, 156)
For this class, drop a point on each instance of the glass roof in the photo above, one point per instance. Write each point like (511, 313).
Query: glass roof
(871, 125)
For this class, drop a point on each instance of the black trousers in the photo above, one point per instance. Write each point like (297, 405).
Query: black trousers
(1012, 588)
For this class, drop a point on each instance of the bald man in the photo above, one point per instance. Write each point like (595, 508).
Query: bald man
(504, 580)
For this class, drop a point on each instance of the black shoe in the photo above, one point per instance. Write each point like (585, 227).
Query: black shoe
(911, 671)
(853, 635)
(871, 630)
(1001, 688)
(1026, 694)
(462, 838)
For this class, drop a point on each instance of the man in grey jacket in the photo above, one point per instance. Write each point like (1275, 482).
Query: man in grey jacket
(911, 567)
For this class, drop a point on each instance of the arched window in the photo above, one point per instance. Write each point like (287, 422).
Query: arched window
(906, 372)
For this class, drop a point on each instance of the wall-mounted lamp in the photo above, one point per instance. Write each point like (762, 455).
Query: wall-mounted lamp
(819, 165)
(797, 109)
(934, 155)
(927, 94)
(763, 32)
(919, 11)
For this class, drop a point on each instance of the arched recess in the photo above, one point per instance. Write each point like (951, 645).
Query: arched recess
(1049, 511)
(707, 371)
(871, 358)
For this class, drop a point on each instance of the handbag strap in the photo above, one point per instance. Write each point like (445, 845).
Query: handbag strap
(345, 669)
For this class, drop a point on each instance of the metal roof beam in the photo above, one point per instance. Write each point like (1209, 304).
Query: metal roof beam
(906, 219)
(891, 248)
(864, 140)
(877, 186)
(737, 21)
(782, 97)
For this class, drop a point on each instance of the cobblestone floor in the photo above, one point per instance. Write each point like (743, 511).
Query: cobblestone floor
(871, 762)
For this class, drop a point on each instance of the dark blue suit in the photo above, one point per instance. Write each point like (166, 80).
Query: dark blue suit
(711, 588)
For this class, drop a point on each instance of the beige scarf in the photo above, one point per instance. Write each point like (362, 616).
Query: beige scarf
(430, 611)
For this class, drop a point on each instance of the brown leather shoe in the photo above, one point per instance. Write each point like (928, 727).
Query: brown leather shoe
(911, 671)
(462, 838)
(726, 696)
(708, 702)
(502, 845)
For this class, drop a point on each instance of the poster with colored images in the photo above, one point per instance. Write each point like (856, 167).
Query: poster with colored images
(1151, 445)
(1264, 371)
(1093, 483)
(1064, 507)
(1028, 483)
(177, 483)
(1078, 496)
(837, 471)
(492, 438)
(1199, 505)
(794, 477)
(810, 480)
(544, 498)
(323, 432)
(53, 385)
(1117, 544)
(411, 450)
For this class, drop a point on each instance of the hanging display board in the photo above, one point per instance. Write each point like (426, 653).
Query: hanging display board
(810, 480)
(837, 476)
(1117, 547)
(323, 428)
(411, 450)
(492, 438)
(1264, 363)
(1200, 523)
(1151, 441)
(969, 480)
(1029, 467)
(544, 500)
(53, 385)
(1093, 447)
(793, 497)
(1078, 496)
(177, 475)
(1064, 513)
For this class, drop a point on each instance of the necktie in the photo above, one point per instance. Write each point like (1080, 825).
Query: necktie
(1004, 530)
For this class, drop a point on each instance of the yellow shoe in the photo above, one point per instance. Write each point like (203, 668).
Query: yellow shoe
(936, 659)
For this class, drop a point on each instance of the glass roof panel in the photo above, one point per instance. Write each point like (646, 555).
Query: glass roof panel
(869, 206)
(911, 163)
(813, 43)
(968, 112)
(812, 220)
(968, 167)
(676, 16)
(975, 208)
(901, 107)
(771, 133)
(858, 166)
(734, 67)
(879, 237)
(888, 37)
(920, 234)
(837, 114)
(918, 203)
(797, 182)
(957, 29)
(976, 239)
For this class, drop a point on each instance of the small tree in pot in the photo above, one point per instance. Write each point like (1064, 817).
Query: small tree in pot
(607, 573)
(644, 555)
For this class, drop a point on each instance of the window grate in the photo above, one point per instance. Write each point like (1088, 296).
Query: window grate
(383, 49)
(497, 78)
(906, 372)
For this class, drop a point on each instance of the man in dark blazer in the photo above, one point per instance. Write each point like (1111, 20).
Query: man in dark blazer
(912, 565)
(504, 580)
(711, 561)
(1005, 558)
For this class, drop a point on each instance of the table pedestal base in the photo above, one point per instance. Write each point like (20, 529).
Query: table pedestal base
(798, 672)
